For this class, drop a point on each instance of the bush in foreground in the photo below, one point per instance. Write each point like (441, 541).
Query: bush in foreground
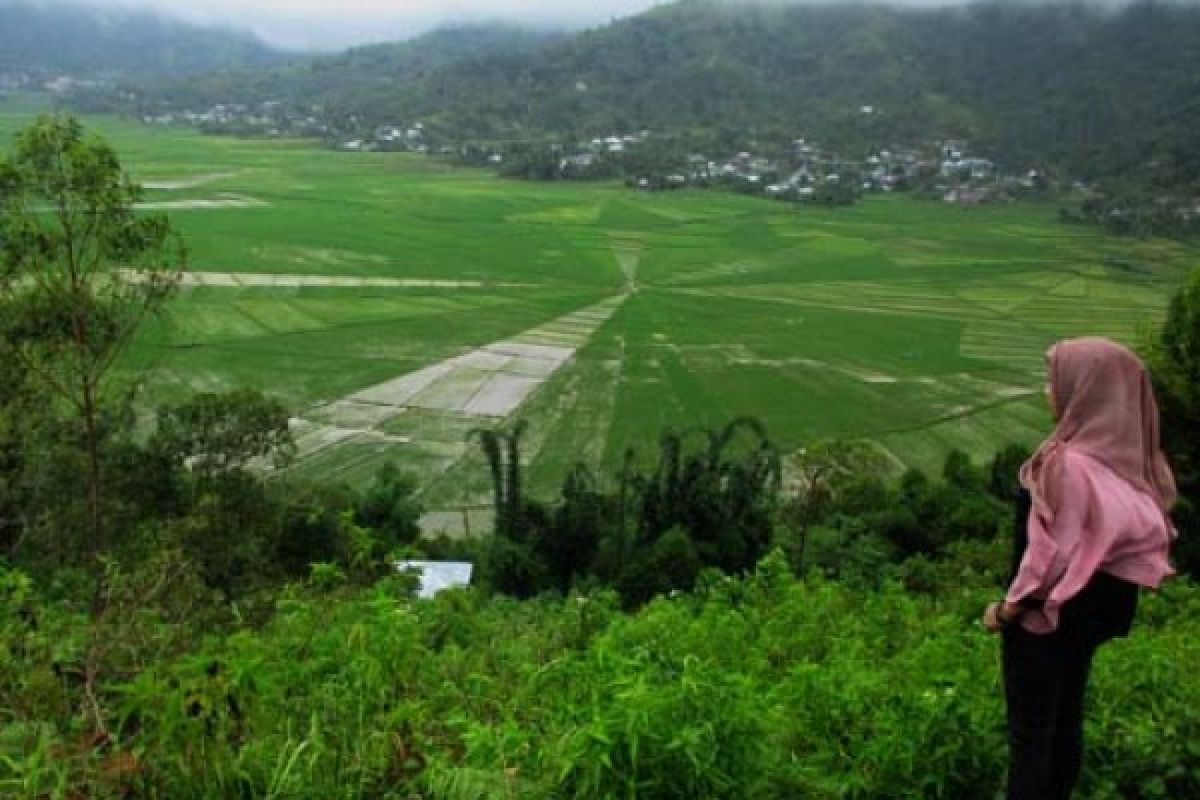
(761, 687)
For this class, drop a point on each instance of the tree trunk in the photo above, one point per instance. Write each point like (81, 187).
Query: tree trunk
(96, 543)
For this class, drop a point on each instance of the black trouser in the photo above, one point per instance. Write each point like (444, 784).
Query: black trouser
(1045, 678)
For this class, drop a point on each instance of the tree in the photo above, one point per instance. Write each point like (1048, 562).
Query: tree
(230, 525)
(1003, 475)
(502, 449)
(825, 473)
(1174, 361)
(390, 507)
(578, 525)
(218, 433)
(80, 271)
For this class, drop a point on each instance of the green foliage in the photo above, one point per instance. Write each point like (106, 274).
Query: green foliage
(1004, 475)
(832, 195)
(388, 506)
(81, 270)
(1174, 361)
(707, 505)
(215, 434)
(758, 687)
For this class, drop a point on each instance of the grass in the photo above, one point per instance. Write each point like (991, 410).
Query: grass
(918, 325)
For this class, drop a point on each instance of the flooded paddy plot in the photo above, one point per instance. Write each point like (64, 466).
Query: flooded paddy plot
(487, 383)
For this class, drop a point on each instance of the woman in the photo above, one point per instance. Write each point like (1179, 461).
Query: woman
(1096, 529)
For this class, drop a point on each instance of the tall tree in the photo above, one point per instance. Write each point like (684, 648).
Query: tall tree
(502, 449)
(80, 270)
(1174, 361)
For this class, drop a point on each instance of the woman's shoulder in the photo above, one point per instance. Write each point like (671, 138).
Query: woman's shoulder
(1082, 469)
(1071, 461)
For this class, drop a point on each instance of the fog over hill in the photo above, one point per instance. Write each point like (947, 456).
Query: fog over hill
(320, 25)
(109, 40)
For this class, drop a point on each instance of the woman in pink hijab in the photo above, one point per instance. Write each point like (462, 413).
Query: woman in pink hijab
(1098, 493)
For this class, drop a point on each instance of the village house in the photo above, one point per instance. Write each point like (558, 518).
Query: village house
(581, 161)
(969, 195)
(388, 134)
(952, 149)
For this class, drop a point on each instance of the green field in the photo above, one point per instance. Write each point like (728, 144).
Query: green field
(917, 325)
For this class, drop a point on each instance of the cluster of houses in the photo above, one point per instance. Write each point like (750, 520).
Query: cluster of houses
(274, 118)
(618, 143)
(413, 138)
(269, 118)
(947, 170)
(14, 81)
(44, 82)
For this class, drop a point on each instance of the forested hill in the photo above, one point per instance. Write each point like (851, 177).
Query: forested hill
(1092, 89)
(86, 41)
(365, 81)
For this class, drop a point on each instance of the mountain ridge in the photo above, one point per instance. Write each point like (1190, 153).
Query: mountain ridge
(86, 41)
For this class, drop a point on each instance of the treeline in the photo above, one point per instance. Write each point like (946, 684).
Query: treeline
(1126, 210)
(714, 500)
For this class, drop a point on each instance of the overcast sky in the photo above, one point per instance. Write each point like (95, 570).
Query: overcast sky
(330, 24)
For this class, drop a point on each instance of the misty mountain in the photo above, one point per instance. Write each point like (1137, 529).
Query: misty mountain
(1097, 91)
(363, 81)
(86, 41)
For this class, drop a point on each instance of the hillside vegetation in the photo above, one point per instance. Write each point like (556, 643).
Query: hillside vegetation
(761, 687)
(361, 81)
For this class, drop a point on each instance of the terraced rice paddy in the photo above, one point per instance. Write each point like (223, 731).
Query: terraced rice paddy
(397, 304)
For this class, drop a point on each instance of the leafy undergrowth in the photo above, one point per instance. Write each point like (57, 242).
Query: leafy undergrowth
(763, 687)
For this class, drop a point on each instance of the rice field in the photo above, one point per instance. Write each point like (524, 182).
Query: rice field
(396, 304)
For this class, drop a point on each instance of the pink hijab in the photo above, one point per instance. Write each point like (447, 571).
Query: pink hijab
(1106, 409)
(1101, 486)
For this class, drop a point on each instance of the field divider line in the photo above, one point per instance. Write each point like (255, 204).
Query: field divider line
(965, 413)
(790, 301)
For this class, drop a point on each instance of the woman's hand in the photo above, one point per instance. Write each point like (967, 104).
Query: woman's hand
(999, 615)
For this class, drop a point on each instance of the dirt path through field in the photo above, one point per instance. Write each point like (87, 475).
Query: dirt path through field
(268, 280)
(628, 252)
(222, 200)
(189, 182)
